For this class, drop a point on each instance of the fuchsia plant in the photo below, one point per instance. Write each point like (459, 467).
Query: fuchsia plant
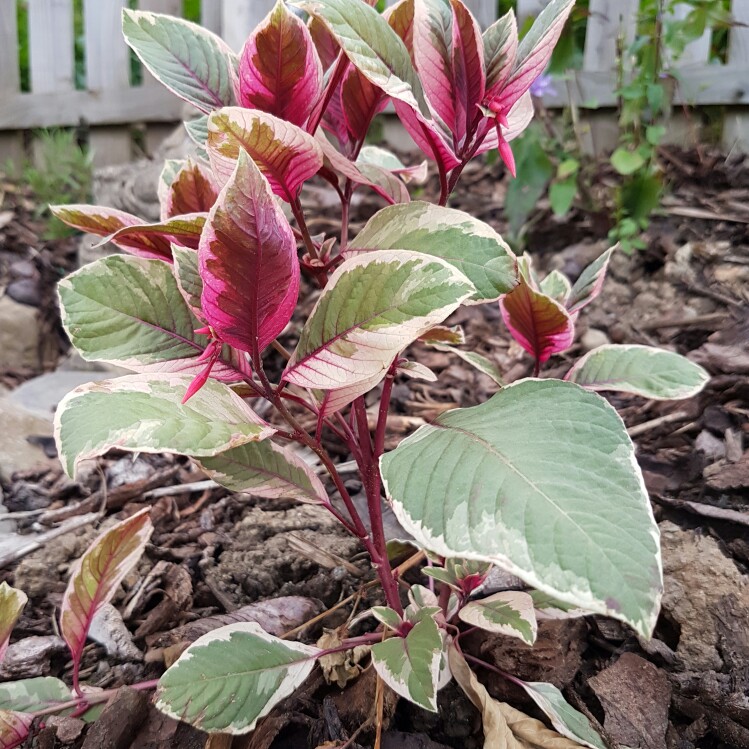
(540, 480)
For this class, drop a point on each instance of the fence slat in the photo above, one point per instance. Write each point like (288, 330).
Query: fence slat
(240, 17)
(11, 144)
(210, 15)
(698, 51)
(485, 11)
(608, 21)
(736, 124)
(528, 8)
(51, 45)
(107, 68)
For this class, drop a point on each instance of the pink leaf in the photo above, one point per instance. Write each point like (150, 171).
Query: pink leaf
(248, 263)
(518, 119)
(468, 78)
(105, 221)
(537, 322)
(284, 153)
(400, 18)
(12, 602)
(360, 101)
(279, 70)
(590, 283)
(182, 230)
(14, 728)
(380, 180)
(427, 135)
(325, 43)
(534, 51)
(193, 190)
(432, 42)
(334, 120)
(96, 576)
(500, 51)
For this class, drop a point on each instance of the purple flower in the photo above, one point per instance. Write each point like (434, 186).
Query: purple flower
(543, 86)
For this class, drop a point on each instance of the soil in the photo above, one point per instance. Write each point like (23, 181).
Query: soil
(215, 554)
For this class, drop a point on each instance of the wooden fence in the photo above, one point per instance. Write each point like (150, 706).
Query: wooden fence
(110, 104)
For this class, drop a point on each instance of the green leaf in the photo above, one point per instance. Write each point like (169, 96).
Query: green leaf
(130, 311)
(197, 130)
(567, 168)
(534, 170)
(562, 195)
(557, 286)
(626, 162)
(187, 276)
(410, 665)
(477, 361)
(472, 246)
(265, 470)
(507, 613)
(228, 679)
(548, 607)
(374, 306)
(568, 721)
(541, 480)
(143, 413)
(189, 60)
(386, 616)
(372, 47)
(12, 602)
(29, 695)
(642, 370)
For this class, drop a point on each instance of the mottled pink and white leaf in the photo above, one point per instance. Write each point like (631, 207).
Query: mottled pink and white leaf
(590, 283)
(542, 326)
(12, 602)
(248, 262)
(190, 189)
(95, 577)
(283, 152)
(279, 69)
(14, 728)
(183, 230)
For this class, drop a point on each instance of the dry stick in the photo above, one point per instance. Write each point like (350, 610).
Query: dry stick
(707, 511)
(646, 426)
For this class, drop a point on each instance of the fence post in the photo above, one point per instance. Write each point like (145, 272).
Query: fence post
(736, 123)
(107, 69)
(11, 143)
(240, 17)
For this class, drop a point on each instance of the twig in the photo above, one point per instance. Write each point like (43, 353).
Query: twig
(685, 322)
(170, 491)
(38, 541)
(647, 426)
(708, 511)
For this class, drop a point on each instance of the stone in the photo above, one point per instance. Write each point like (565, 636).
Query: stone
(706, 595)
(635, 696)
(593, 338)
(41, 395)
(16, 452)
(119, 722)
(19, 335)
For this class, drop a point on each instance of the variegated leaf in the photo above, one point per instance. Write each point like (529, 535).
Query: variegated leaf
(534, 51)
(548, 607)
(410, 665)
(568, 721)
(189, 60)
(279, 70)
(265, 469)
(590, 283)
(468, 76)
(541, 454)
(191, 188)
(372, 308)
(14, 728)
(248, 263)
(542, 326)
(642, 370)
(360, 102)
(106, 221)
(388, 160)
(557, 286)
(284, 153)
(233, 676)
(509, 612)
(143, 413)
(470, 245)
(12, 602)
(477, 361)
(130, 312)
(95, 577)
(372, 46)
(189, 282)
(380, 180)
(183, 230)
(500, 49)
(31, 695)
